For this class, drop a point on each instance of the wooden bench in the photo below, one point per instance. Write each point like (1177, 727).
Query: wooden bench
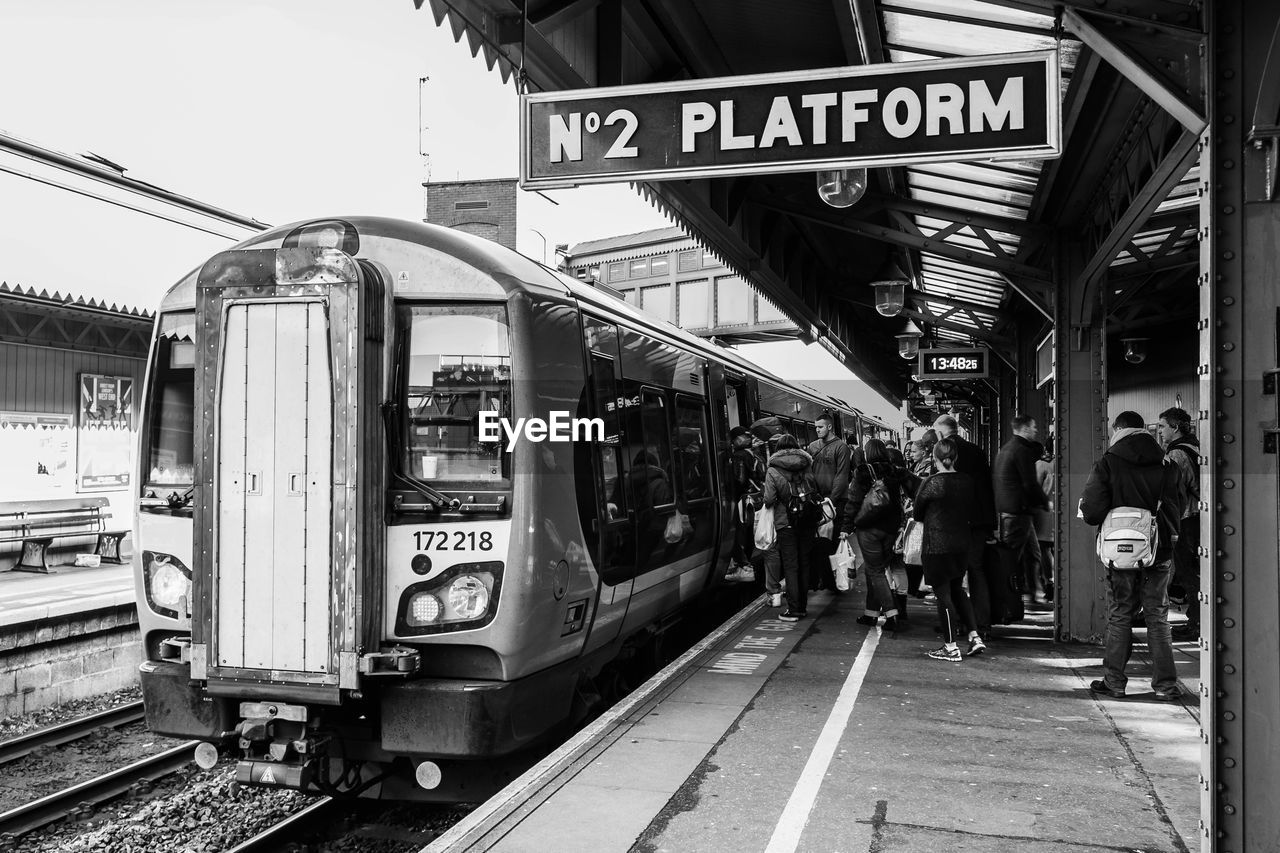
(36, 524)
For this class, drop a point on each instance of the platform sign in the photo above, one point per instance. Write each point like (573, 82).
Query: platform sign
(971, 108)
(954, 363)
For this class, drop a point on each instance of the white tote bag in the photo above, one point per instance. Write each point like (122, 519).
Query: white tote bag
(765, 534)
(843, 565)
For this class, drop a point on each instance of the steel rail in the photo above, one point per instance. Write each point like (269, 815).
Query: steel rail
(56, 735)
(53, 807)
(277, 835)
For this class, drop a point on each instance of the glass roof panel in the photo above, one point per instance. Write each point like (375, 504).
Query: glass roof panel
(897, 55)
(982, 173)
(969, 190)
(964, 39)
(975, 9)
(931, 225)
(933, 197)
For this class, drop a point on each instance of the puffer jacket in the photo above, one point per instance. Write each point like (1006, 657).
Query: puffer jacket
(787, 468)
(1134, 472)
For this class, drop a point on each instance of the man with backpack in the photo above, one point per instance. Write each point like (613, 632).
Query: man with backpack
(1183, 450)
(831, 458)
(1132, 495)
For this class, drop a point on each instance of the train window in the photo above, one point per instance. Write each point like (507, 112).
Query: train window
(172, 438)
(458, 364)
(691, 445)
(600, 335)
(610, 450)
(651, 469)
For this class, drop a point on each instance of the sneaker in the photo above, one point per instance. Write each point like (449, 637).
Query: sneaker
(1172, 695)
(944, 653)
(1100, 686)
(976, 646)
(792, 616)
(775, 600)
(742, 574)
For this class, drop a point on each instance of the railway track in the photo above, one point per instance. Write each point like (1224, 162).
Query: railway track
(56, 806)
(72, 730)
(299, 823)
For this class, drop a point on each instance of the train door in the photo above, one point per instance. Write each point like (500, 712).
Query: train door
(273, 469)
(739, 405)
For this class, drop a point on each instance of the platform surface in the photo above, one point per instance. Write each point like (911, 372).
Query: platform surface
(835, 737)
(30, 597)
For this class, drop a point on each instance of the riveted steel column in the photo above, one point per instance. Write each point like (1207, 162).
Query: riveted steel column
(1240, 560)
(1081, 601)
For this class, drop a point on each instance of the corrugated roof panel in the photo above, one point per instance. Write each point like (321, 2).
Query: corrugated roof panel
(956, 37)
(975, 9)
(959, 188)
(987, 174)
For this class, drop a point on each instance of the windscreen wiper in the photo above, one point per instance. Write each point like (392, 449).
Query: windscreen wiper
(437, 497)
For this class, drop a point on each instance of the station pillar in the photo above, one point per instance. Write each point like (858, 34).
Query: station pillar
(1082, 434)
(1238, 419)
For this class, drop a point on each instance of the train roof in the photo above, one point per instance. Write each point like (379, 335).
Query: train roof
(480, 268)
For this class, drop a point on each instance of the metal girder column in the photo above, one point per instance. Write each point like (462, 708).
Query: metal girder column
(1082, 435)
(1240, 605)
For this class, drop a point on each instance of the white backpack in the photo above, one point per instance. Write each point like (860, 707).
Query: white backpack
(1128, 538)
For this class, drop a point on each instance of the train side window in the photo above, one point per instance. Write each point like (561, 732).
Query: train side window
(691, 445)
(607, 408)
(651, 469)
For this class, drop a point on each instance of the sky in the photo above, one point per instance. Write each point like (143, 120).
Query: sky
(278, 111)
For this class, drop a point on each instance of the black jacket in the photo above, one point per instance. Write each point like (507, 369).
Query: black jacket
(890, 518)
(747, 471)
(944, 504)
(972, 461)
(1017, 489)
(1134, 472)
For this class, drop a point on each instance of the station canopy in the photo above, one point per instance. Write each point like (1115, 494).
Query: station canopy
(978, 240)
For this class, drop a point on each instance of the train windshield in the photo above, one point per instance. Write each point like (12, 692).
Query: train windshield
(172, 405)
(458, 365)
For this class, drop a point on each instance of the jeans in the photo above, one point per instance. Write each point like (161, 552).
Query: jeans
(979, 593)
(877, 548)
(1020, 549)
(1186, 565)
(772, 562)
(1131, 591)
(794, 547)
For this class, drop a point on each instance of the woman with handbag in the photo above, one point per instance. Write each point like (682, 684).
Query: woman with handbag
(944, 503)
(788, 475)
(872, 516)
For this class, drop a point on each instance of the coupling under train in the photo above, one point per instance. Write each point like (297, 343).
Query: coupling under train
(342, 577)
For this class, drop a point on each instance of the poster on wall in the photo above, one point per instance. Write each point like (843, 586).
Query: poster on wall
(35, 455)
(106, 432)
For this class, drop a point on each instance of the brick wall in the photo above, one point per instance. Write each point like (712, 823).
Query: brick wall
(484, 208)
(73, 657)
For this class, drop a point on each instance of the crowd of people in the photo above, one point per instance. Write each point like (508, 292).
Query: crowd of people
(976, 533)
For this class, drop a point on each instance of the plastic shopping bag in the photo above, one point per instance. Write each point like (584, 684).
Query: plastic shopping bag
(765, 534)
(911, 543)
(843, 565)
(678, 528)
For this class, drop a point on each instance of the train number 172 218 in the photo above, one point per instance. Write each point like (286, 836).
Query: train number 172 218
(456, 540)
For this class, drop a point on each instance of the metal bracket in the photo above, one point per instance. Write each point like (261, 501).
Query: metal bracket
(397, 661)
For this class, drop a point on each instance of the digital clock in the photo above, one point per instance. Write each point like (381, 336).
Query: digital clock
(953, 363)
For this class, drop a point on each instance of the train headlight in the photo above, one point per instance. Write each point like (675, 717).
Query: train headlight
(424, 609)
(168, 584)
(460, 598)
(468, 597)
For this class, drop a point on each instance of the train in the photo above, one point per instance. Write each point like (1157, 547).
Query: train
(345, 578)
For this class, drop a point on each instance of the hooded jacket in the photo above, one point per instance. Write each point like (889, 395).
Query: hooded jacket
(1017, 489)
(787, 467)
(1134, 472)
